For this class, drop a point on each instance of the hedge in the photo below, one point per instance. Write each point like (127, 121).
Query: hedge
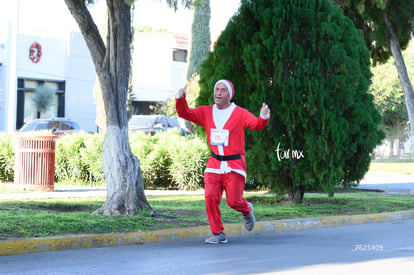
(6, 157)
(167, 159)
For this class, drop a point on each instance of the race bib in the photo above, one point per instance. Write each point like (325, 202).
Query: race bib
(219, 137)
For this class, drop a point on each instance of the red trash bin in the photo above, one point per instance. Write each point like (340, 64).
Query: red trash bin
(34, 166)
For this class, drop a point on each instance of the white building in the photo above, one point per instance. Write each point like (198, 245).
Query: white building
(65, 64)
(62, 63)
(159, 67)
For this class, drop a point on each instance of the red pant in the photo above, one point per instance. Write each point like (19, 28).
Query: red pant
(214, 185)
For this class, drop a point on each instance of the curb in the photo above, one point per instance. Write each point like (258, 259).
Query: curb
(34, 245)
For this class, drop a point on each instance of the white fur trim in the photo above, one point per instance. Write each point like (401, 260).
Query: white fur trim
(220, 171)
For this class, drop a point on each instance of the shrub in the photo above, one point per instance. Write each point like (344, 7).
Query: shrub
(6, 157)
(152, 159)
(91, 155)
(68, 163)
(167, 159)
(155, 165)
(188, 163)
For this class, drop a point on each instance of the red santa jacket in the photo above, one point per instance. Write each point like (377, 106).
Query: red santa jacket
(227, 140)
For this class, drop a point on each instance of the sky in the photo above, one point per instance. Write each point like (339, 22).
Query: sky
(157, 14)
(52, 17)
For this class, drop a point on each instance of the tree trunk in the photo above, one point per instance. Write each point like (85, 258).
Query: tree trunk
(392, 141)
(296, 197)
(402, 74)
(125, 188)
(296, 192)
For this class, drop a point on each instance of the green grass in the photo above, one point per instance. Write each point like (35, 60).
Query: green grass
(49, 217)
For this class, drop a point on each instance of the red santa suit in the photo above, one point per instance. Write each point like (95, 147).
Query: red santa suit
(226, 167)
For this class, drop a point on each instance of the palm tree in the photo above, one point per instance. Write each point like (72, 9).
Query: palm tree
(43, 99)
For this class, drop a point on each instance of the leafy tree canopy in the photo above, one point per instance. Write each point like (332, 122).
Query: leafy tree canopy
(369, 16)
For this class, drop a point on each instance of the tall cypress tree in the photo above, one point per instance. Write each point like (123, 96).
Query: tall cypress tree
(309, 63)
(201, 40)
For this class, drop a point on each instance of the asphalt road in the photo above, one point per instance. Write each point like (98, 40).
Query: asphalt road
(379, 248)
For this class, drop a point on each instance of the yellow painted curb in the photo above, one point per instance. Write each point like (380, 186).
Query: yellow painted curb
(310, 223)
(32, 245)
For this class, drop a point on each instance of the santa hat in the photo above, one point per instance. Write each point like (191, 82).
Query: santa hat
(228, 84)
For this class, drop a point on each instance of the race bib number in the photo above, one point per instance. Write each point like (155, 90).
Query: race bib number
(219, 137)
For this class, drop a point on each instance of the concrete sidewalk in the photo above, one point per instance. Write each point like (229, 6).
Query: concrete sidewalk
(67, 191)
(391, 183)
(32, 245)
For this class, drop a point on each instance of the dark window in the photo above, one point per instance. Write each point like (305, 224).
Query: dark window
(20, 83)
(26, 109)
(180, 55)
(66, 125)
(54, 124)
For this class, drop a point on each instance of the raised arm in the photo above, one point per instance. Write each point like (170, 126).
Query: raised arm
(194, 115)
(257, 123)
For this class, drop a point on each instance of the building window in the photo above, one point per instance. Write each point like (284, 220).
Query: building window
(180, 55)
(28, 109)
